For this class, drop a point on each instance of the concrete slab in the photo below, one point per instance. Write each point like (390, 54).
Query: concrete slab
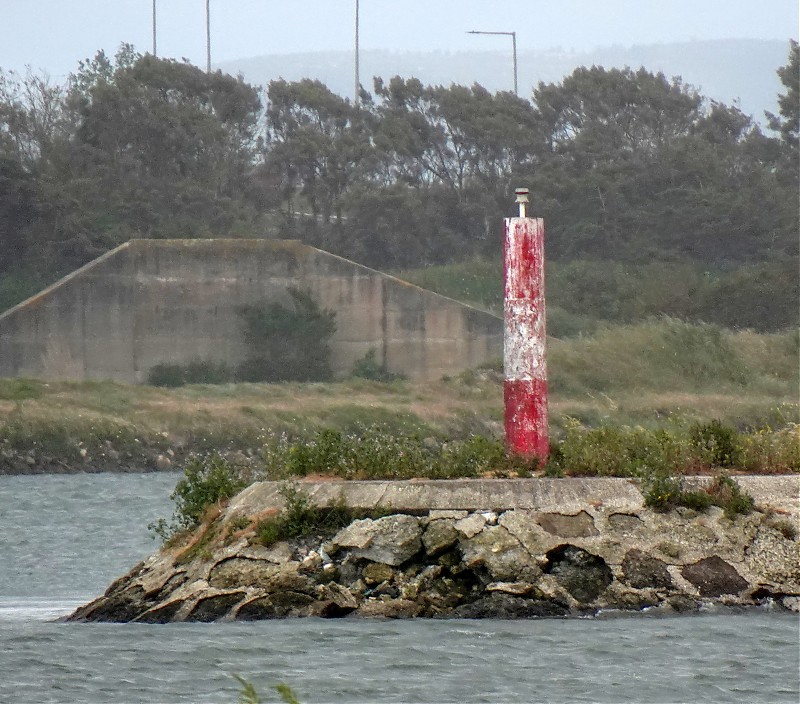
(567, 495)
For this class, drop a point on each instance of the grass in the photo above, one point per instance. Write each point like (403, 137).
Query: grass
(658, 458)
(477, 281)
(652, 374)
(659, 355)
(664, 493)
(585, 294)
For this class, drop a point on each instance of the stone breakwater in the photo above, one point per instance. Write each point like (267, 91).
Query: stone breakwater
(472, 549)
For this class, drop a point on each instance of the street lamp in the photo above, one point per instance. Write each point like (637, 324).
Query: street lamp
(155, 53)
(513, 36)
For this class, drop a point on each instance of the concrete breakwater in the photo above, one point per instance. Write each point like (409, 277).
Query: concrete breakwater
(471, 549)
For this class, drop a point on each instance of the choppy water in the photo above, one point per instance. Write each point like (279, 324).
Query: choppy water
(63, 539)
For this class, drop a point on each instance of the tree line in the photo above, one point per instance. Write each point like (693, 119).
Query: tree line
(624, 165)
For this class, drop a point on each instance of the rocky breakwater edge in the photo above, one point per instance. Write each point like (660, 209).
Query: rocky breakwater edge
(518, 548)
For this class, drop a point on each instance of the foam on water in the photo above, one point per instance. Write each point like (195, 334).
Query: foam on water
(27, 609)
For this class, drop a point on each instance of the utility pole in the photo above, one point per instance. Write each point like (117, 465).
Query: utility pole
(208, 36)
(155, 49)
(513, 36)
(357, 95)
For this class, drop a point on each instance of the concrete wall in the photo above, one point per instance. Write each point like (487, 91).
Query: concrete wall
(153, 301)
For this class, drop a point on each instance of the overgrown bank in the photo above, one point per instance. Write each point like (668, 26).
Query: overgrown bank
(663, 374)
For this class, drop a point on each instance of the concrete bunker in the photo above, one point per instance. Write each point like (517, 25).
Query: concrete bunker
(153, 301)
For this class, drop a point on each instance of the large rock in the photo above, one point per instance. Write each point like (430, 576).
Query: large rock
(581, 525)
(523, 526)
(242, 572)
(643, 571)
(471, 525)
(394, 608)
(505, 606)
(625, 522)
(584, 575)
(714, 577)
(214, 607)
(439, 536)
(334, 601)
(282, 605)
(114, 607)
(391, 540)
(500, 554)
(774, 555)
(163, 613)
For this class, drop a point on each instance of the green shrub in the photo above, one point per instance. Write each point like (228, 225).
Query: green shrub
(375, 453)
(479, 455)
(204, 372)
(299, 515)
(477, 281)
(368, 368)
(716, 443)
(663, 493)
(197, 371)
(167, 374)
(619, 451)
(300, 518)
(728, 495)
(207, 479)
(269, 531)
(761, 296)
(698, 500)
(699, 352)
(288, 344)
(660, 354)
(767, 450)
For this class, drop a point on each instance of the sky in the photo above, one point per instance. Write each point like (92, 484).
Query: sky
(53, 35)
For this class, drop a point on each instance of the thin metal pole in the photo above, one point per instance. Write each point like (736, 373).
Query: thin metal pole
(208, 36)
(514, 45)
(513, 36)
(155, 49)
(358, 82)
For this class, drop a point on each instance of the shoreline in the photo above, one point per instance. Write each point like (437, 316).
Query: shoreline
(526, 548)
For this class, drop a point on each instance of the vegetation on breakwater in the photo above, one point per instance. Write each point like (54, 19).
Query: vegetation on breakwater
(658, 458)
(662, 374)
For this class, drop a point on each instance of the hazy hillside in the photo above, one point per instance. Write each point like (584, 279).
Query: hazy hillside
(724, 70)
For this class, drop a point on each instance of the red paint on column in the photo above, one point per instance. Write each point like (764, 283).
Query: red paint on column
(524, 259)
(526, 419)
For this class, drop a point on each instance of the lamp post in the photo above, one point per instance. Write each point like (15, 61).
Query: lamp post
(155, 51)
(513, 36)
(357, 94)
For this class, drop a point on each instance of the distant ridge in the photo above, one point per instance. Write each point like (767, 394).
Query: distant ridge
(730, 70)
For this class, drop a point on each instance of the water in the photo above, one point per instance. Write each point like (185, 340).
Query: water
(65, 538)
